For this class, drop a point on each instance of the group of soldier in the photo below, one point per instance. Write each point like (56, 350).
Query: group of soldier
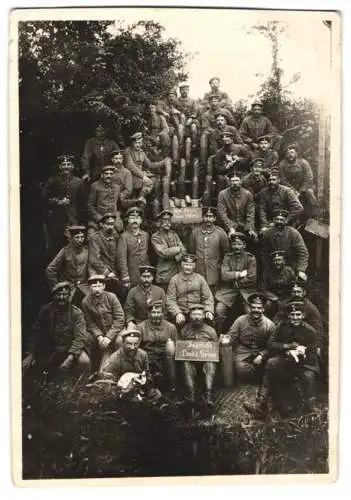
(126, 287)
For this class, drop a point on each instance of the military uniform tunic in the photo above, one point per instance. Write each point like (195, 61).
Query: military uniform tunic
(103, 253)
(104, 315)
(132, 252)
(281, 198)
(138, 300)
(187, 290)
(165, 244)
(236, 209)
(289, 240)
(68, 265)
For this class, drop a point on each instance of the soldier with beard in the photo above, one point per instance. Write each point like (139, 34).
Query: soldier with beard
(97, 151)
(168, 248)
(274, 197)
(223, 98)
(286, 238)
(249, 337)
(71, 264)
(59, 339)
(197, 330)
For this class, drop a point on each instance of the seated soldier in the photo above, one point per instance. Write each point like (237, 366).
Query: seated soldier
(63, 197)
(132, 249)
(209, 243)
(236, 208)
(71, 264)
(296, 173)
(196, 329)
(239, 277)
(215, 141)
(103, 251)
(132, 360)
(59, 339)
(294, 351)
(158, 129)
(189, 117)
(168, 248)
(158, 338)
(249, 337)
(103, 198)
(223, 98)
(255, 181)
(277, 279)
(274, 197)
(283, 237)
(146, 174)
(104, 318)
(140, 297)
(269, 156)
(97, 151)
(256, 125)
(187, 288)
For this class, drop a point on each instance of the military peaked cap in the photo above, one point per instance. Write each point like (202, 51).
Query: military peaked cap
(62, 285)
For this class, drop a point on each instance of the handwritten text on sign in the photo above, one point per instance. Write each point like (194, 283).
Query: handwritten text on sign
(196, 350)
(187, 215)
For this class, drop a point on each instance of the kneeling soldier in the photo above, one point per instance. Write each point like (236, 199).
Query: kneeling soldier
(59, 339)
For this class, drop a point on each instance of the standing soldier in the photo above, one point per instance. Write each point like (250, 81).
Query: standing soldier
(186, 289)
(209, 243)
(277, 197)
(249, 336)
(132, 249)
(97, 151)
(63, 196)
(168, 248)
(256, 125)
(59, 339)
(104, 317)
(296, 173)
(71, 264)
(103, 198)
(239, 277)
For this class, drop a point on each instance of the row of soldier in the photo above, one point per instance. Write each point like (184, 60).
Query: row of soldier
(192, 287)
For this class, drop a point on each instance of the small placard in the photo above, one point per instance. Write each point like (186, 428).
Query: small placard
(197, 350)
(187, 215)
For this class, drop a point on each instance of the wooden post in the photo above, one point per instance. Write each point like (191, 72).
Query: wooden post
(320, 178)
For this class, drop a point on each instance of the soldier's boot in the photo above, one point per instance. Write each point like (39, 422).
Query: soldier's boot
(258, 409)
(208, 398)
(310, 405)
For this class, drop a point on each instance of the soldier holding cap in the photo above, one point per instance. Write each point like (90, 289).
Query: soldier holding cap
(168, 248)
(296, 173)
(283, 237)
(256, 125)
(274, 197)
(249, 337)
(158, 338)
(141, 296)
(295, 349)
(209, 243)
(59, 339)
(63, 196)
(97, 151)
(71, 264)
(132, 248)
(103, 199)
(104, 317)
(239, 276)
(197, 330)
(187, 288)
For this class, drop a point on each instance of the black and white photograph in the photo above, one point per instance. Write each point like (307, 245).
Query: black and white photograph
(175, 199)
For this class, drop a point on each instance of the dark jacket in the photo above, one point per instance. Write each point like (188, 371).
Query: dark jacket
(137, 303)
(132, 252)
(104, 315)
(236, 209)
(282, 198)
(289, 240)
(68, 265)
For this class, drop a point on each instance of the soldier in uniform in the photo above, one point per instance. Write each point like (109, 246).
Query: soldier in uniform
(256, 125)
(132, 249)
(59, 339)
(63, 196)
(103, 198)
(197, 329)
(186, 289)
(255, 180)
(223, 98)
(147, 174)
(286, 238)
(209, 243)
(296, 173)
(275, 196)
(71, 264)
(141, 296)
(249, 337)
(236, 208)
(269, 156)
(158, 337)
(158, 129)
(239, 277)
(168, 248)
(189, 114)
(97, 152)
(294, 350)
(104, 317)
(215, 137)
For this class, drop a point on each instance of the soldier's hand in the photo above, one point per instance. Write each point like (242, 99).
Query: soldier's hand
(67, 362)
(180, 319)
(253, 234)
(319, 352)
(231, 232)
(111, 275)
(243, 274)
(302, 275)
(209, 315)
(188, 122)
(86, 177)
(258, 360)
(28, 362)
(224, 339)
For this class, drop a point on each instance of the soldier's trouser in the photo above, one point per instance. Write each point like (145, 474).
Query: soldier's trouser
(309, 202)
(222, 312)
(190, 372)
(246, 370)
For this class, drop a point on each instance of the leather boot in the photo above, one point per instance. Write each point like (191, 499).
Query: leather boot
(208, 399)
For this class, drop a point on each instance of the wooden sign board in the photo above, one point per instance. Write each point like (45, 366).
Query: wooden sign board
(187, 215)
(197, 350)
(318, 228)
